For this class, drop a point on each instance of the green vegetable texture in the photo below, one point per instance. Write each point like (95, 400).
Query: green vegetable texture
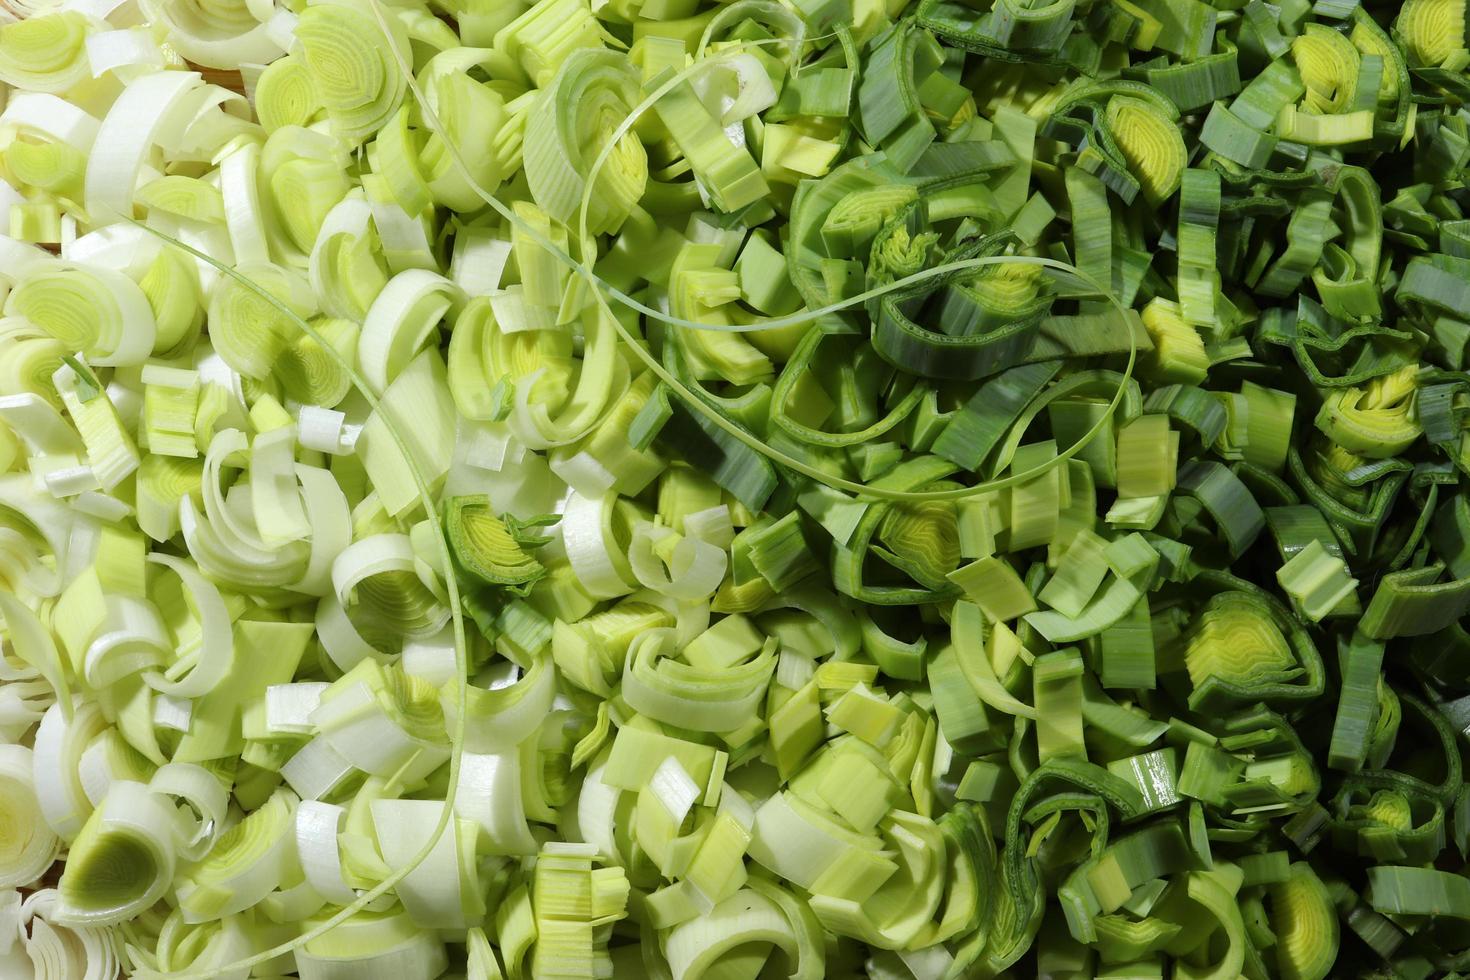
(583, 489)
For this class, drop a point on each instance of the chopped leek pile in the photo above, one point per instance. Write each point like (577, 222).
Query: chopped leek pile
(546, 489)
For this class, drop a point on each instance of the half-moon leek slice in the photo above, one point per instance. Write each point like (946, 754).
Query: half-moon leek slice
(574, 117)
(27, 845)
(1236, 644)
(1430, 30)
(1152, 144)
(249, 861)
(1305, 923)
(356, 75)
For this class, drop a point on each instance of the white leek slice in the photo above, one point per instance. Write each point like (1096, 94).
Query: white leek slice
(64, 951)
(45, 52)
(372, 946)
(58, 752)
(721, 699)
(108, 759)
(152, 109)
(50, 116)
(97, 311)
(417, 402)
(317, 827)
(346, 231)
(602, 378)
(217, 35)
(239, 184)
(382, 720)
(502, 717)
(316, 769)
(206, 949)
(798, 842)
(120, 51)
(384, 582)
(747, 917)
(280, 514)
(432, 658)
(204, 804)
(330, 523)
(34, 645)
(27, 845)
(340, 639)
(691, 569)
(586, 534)
(402, 319)
(40, 426)
(490, 794)
(597, 805)
(216, 654)
(249, 861)
(441, 892)
(132, 637)
(123, 859)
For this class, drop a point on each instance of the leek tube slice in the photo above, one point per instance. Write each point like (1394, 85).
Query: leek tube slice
(357, 80)
(29, 846)
(123, 859)
(485, 547)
